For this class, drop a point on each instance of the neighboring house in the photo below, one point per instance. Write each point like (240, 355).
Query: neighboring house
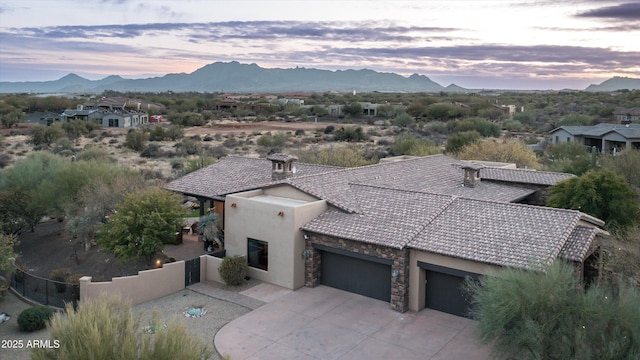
(605, 137)
(106, 117)
(407, 232)
(627, 116)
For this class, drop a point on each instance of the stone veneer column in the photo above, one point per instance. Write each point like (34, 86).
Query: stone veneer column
(312, 266)
(399, 286)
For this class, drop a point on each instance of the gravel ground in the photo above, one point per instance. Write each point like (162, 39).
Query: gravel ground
(218, 313)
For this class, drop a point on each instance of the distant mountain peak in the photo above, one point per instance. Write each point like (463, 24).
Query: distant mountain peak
(616, 83)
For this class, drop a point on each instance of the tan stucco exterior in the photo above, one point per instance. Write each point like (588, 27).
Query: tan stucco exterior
(146, 286)
(418, 276)
(274, 215)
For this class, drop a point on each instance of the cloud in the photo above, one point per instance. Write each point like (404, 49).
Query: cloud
(627, 11)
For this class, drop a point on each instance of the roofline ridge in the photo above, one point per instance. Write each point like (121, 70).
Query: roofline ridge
(529, 170)
(444, 207)
(398, 189)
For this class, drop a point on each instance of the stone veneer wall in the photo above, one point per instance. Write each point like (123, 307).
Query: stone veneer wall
(399, 286)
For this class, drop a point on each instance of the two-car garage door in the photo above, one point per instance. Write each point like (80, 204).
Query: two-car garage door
(444, 289)
(356, 273)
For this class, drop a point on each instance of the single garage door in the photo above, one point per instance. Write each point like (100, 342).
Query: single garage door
(358, 275)
(445, 290)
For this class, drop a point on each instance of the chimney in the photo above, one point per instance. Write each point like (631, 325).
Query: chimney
(282, 166)
(471, 175)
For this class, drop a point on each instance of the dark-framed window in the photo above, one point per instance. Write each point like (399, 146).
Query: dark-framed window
(258, 254)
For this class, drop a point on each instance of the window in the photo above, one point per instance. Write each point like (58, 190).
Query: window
(113, 123)
(568, 139)
(258, 254)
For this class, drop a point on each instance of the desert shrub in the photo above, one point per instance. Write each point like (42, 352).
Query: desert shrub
(189, 147)
(207, 138)
(233, 270)
(5, 160)
(508, 151)
(174, 132)
(34, 319)
(273, 141)
(60, 275)
(157, 133)
(329, 129)
(46, 134)
(106, 328)
(95, 153)
(409, 144)
(231, 143)
(74, 279)
(198, 163)
(152, 151)
(136, 140)
(484, 127)
(217, 151)
(299, 132)
(350, 134)
(457, 141)
(349, 156)
(403, 120)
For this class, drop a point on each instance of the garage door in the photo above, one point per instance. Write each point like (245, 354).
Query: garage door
(445, 290)
(356, 274)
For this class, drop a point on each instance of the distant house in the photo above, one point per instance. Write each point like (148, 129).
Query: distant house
(627, 115)
(408, 231)
(605, 137)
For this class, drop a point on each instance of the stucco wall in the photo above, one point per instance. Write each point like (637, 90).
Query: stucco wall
(147, 285)
(562, 136)
(250, 218)
(417, 276)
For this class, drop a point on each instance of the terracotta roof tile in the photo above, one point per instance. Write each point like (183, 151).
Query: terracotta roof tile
(577, 246)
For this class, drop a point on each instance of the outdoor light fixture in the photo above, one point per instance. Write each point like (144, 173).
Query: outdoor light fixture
(233, 205)
(158, 263)
(281, 213)
(394, 274)
(306, 237)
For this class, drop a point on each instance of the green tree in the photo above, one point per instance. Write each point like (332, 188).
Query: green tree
(403, 120)
(547, 315)
(576, 119)
(46, 134)
(352, 109)
(142, 224)
(106, 329)
(459, 140)
(626, 164)
(198, 163)
(568, 157)
(601, 193)
(509, 151)
(12, 118)
(350, 134)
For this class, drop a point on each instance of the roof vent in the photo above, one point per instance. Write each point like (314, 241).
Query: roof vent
(471, 175)
(281, 166)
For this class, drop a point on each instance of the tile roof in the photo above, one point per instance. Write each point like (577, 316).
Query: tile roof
(235, 174)
(628, 131)
(504, 234)
(387, 217)
(577, 246)
(523, 176)
(437, 174)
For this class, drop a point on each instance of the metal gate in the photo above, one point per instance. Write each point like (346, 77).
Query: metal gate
(191, 271)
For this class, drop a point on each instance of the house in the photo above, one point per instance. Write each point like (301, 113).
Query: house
(407, 232)
(605, 137)
(627, 115)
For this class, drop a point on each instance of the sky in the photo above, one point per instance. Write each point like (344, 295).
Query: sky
(504, 44)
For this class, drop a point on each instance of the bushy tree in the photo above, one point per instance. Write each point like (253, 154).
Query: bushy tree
(142, 224)
(547, 315)
(276, 140)
(12, 118)
(198, 163)
(626, 164)
(107, 329)
(403, 120)
(509, 151)
(600, 193)
(457, 141)
(576, 119)
(352, 109)
(568, 157)
(46, 134)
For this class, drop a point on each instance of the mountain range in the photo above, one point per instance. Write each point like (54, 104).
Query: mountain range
(236, 77)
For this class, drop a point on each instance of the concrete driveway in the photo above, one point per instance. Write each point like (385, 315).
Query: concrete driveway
(326, 323)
